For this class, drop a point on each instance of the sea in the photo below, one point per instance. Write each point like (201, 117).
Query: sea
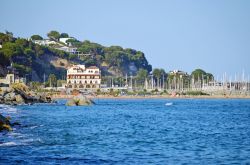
(129, 131)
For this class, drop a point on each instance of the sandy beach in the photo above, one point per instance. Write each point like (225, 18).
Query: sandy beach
(155, 97)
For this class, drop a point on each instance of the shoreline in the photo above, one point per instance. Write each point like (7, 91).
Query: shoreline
(153, 97)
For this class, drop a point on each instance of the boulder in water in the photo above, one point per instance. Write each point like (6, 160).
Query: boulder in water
(79, 101)
(4, 124)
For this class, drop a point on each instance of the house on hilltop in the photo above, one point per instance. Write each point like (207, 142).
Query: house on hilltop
(45, 42)
(64, 40)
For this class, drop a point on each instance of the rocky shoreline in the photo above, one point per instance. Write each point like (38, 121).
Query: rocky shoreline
(20, 94)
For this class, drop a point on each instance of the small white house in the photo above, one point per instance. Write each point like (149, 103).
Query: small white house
(71, 50)
(64, 40)
(45, 42)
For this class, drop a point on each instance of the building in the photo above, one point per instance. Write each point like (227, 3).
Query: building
(10, 79)
(80, 77)
(178, 72)
(64, 40)
(71, 50)
(45, 42)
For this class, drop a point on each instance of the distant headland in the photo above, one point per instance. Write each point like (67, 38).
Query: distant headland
(63, 65)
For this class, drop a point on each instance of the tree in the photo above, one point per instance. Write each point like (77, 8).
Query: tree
(201, 75)
(117, 58)
(10, 35)
(64, 35)
(142, 75)
(52, 80)
(36, 37)
(5, 38)
(22, 43)
(163, 75)
(54, 35)
(74, 42)
(209, 77)
(29, 52)
(10, 49)
(4, 61)
(157, 75)
(197, 74)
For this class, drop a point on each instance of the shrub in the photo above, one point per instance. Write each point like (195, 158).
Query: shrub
(196, 93)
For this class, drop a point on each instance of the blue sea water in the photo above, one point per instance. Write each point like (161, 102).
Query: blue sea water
(129, 131)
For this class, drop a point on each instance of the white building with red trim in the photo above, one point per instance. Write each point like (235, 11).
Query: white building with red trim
(80, 77)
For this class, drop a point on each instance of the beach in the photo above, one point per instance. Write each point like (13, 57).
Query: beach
(156, 97)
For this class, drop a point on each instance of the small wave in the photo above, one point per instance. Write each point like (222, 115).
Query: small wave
(7, 109)
(32, 127)
(8, 144)
(169, 104)
(14, 134)
(35, 126)
(23, 142)
(28, 141)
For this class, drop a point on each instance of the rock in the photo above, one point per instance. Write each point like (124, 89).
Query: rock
(20, 94)
(79, 101)
(10, 96)
(4, 123)
(19, 99)
(5, 90)
(44, 98)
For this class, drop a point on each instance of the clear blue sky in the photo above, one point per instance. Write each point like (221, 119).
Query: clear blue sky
(180, 34)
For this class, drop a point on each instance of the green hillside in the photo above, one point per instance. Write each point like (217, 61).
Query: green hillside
(35, 61)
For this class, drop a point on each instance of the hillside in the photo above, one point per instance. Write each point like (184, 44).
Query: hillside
(35, 61)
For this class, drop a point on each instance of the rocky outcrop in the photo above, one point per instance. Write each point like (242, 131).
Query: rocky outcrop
(79, 100)
(4, 124)
(20, 94)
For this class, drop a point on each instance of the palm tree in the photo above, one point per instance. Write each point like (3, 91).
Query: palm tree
(157, 75)
(142, 75)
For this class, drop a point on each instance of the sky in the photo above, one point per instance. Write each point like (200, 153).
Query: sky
(213, 35)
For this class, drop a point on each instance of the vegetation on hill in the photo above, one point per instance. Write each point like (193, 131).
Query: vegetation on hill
(117, 64)
(29, 58)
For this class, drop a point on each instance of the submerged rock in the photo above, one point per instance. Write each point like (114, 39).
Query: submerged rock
(4, 123)
(79, 101)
